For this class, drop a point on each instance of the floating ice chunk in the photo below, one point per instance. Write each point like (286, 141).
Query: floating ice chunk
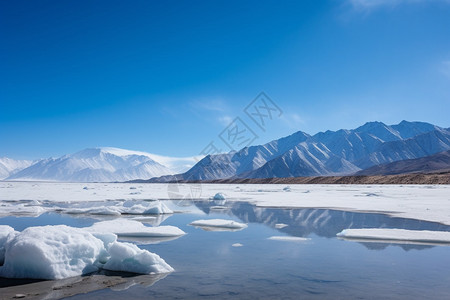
(280, 225)
(219, 223)
(287, 189)
(218, 207)
(145, 208)
(100, 210)
(106, 211)
(396, 235)
(21, 209)
(288, 238)
(5, 233)
(219, 196)
(152, 220)
(129, 258)
(237, 245)
(149, 219)
(51, 252)
(128, 207)
(130, 228)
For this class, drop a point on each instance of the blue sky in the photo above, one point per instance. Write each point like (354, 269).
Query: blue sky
(167, 77)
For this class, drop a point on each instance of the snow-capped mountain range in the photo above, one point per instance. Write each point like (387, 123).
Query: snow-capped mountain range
(102, 165)
(339, 152)
(9, 166)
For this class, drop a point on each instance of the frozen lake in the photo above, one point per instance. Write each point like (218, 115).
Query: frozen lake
(256, 261)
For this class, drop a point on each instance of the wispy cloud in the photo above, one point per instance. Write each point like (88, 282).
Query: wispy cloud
(445, 68)
(212, 110)
(225, 120)
(216, 105)
(365, 5)
(292, 120)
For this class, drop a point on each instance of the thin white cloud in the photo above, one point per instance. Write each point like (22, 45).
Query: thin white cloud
(445, 68)
(365, 5)
(216, 105)
(225, 120)
(292, 120)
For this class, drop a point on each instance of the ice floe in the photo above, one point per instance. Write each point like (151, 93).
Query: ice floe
(131, 228)
(102, 211)
(288, 238)
(280, 225)
(237, 245)
(60, 251)
(396, 235)
(145, 208)
(21, 209)
(219, 196)
(287, 189)
(218, 207)
(130, 207)
(219, 224)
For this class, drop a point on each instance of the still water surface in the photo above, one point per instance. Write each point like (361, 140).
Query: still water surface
(209, 265)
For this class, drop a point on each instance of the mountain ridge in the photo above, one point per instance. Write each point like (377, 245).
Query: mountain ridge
(329, 153)
(100, 164)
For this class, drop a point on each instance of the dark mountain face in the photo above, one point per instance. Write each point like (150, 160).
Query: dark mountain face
(432, 163)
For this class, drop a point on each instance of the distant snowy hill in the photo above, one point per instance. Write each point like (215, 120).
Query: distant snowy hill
(102, 165)
(10, 166)
(326, 153)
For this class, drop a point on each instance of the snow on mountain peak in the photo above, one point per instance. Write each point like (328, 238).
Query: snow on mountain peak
(104, 164)
(9, 166)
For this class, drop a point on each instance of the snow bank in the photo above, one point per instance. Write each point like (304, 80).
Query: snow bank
(220, 223)
(131, 228)
(5, 233)
(126, 257)
(56, 252)
(288, 238)
(397, 235)
(51, 252)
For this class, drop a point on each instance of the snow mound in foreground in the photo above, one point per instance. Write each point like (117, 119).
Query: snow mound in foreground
(398, 235)
(5, 233)
(220, 223)
(56, 252)
(131, 228)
